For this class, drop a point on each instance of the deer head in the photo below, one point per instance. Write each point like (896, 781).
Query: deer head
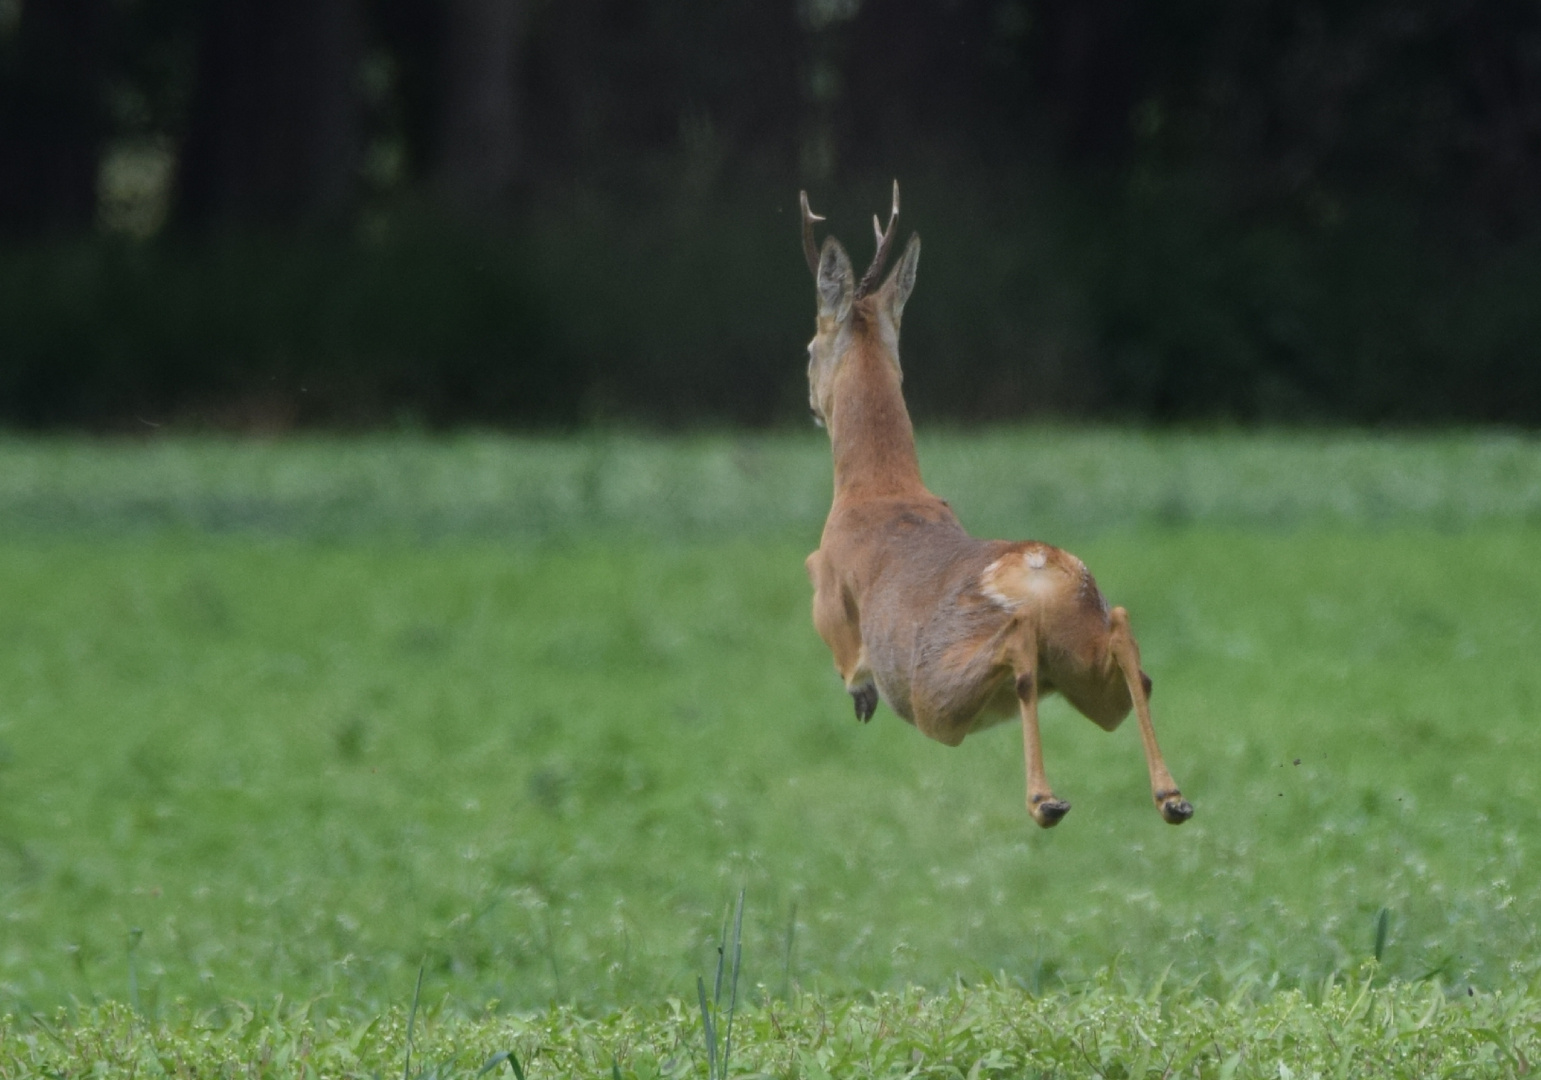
(850, 310)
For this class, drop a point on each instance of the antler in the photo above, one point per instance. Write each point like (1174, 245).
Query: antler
(885, 242)
(810, 250)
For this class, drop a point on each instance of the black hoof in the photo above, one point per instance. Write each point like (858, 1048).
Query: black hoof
(1048, 811)
(1175, 809)
(865, 698)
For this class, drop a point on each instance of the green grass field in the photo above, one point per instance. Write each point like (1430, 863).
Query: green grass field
(302, 718)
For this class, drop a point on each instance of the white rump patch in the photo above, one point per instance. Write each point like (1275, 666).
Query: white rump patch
(1008, 583)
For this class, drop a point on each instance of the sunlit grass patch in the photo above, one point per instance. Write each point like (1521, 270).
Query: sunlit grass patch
(393, 718)
(1104, 1029)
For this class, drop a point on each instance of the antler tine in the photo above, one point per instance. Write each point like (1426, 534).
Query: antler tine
(810, 249)
(885, 242)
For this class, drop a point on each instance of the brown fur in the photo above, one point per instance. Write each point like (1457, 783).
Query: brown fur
(956, 634)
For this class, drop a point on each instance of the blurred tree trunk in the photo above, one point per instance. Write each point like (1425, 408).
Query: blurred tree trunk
(479, 136)
(276, 130)
(52, 119)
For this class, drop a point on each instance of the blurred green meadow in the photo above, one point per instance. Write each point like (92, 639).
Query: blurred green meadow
(299, 717)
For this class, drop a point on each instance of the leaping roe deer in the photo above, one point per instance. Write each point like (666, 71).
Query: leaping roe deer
(956, 634)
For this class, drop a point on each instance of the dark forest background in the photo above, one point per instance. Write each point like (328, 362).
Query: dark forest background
(256, 214)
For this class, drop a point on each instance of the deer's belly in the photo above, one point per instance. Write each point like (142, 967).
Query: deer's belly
(947, 681)
(948, 709)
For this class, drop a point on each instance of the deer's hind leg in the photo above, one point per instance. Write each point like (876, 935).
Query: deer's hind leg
(839, 623)
(1126, 653)
(1046, 809)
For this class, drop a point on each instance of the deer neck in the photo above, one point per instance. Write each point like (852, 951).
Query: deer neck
(869, 427)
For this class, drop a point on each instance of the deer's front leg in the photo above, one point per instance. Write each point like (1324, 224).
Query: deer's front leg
(836, 619)
(1174, 808)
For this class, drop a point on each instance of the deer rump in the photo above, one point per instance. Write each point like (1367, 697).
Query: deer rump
(994, 609)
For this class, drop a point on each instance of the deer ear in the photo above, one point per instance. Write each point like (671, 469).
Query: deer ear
(837, 281)
(901, 282)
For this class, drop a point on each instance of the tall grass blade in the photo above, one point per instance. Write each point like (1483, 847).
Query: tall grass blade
(134, 934)
(556, 971)
(1382, 927)
(499, 1058)
(709, 1029)
(738, 952)
(722, 946)
(786, 960)
(406, 1066)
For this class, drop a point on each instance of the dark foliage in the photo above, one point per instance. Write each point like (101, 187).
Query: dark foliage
(518, 211)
